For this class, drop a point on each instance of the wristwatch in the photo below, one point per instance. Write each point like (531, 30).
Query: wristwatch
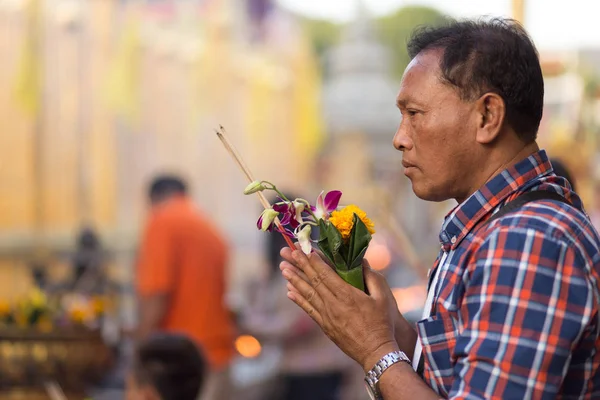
(373, 376)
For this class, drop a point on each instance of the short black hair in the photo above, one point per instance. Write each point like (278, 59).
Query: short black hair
(166, 185)
(495, 55)
(172, 364)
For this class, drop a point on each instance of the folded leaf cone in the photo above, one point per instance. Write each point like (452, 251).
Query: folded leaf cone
(346, 257)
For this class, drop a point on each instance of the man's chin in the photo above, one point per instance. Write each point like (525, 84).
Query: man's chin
(428, 195)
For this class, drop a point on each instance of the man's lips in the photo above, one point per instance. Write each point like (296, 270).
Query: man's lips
(407, 164)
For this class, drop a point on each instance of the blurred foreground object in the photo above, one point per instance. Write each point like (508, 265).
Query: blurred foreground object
(51, 340)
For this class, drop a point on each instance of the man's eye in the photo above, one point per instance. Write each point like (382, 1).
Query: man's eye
(411, 112)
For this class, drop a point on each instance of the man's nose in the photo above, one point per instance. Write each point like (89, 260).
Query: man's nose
(402, 140)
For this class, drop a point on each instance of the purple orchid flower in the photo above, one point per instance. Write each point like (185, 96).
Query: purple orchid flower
(265, 222)
(326, 204)
(290, 214)
(286, 210)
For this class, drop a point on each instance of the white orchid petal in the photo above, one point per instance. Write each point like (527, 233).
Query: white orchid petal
(268, 217)
(304, 239)
(299, 207)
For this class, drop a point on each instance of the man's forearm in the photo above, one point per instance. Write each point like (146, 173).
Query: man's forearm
(406, 336)
(152, 311)
(400, 382)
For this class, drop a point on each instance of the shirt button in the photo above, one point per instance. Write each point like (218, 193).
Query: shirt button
(453, 240)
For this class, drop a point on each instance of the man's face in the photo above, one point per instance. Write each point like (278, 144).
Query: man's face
(437, 132)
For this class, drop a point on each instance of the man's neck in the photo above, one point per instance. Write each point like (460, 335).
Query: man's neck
(502, 164)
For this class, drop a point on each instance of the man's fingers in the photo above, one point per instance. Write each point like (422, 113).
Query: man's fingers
(325, 259)
(286, 265)
(320, 275)
(326, 275)
(303, 288)
(375, 282)
(306, 306)
(286, 253)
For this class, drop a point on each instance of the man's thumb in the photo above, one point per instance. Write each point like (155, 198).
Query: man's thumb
(375, 282)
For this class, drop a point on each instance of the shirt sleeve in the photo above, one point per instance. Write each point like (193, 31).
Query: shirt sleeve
(156, 259)
(526, 304)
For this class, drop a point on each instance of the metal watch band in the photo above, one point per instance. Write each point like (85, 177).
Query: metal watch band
(386, 361)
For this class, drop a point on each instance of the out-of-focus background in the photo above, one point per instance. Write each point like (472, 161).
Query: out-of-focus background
(99, 96)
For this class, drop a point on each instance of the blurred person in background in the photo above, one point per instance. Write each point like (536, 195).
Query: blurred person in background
(181, 280)
(311, 366)
(166, 367)
(89, 262)
(560, 169)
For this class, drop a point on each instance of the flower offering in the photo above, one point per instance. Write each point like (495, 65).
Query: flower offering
(344, 233)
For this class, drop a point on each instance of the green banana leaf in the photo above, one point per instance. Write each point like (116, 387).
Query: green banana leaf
(332, 245)
(346, 258)
(354, 277)
(359, 242)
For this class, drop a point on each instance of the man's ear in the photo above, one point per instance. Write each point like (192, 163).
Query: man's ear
(491, 111)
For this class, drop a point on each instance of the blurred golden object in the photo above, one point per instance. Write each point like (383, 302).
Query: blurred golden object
(248, 346)
(28, 89)
(518, 11)
(123, 83)
(4, 308)
(73, 358)
(45, 324)
(98, 305)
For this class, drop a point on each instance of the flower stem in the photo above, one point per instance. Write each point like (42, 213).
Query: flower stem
(280, 194)
(308, 209)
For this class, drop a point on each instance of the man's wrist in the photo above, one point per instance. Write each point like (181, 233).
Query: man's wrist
(406, 335)
(376, 355)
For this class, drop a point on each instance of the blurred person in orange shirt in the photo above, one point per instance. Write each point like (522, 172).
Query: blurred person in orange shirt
(181, 280)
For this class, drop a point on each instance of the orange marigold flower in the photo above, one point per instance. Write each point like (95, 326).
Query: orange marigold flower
(343, 220)
(4, 308)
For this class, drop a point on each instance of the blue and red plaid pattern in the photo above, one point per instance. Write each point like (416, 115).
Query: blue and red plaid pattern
(516, 311)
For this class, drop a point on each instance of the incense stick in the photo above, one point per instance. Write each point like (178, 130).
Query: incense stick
(240, 162)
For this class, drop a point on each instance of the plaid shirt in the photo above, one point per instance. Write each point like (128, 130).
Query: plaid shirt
(516, 309)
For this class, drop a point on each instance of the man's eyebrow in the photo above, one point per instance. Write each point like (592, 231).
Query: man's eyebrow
(401, 102)
(405, 102)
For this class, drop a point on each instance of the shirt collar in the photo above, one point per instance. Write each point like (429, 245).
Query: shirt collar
(463, 218)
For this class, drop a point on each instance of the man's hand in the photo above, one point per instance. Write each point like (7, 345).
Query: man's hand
(361, 325)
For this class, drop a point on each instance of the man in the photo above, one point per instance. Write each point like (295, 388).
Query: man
(513, 305)
(181, 279)
(166, 367)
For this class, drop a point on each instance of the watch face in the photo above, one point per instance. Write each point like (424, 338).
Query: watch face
(370, 391)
